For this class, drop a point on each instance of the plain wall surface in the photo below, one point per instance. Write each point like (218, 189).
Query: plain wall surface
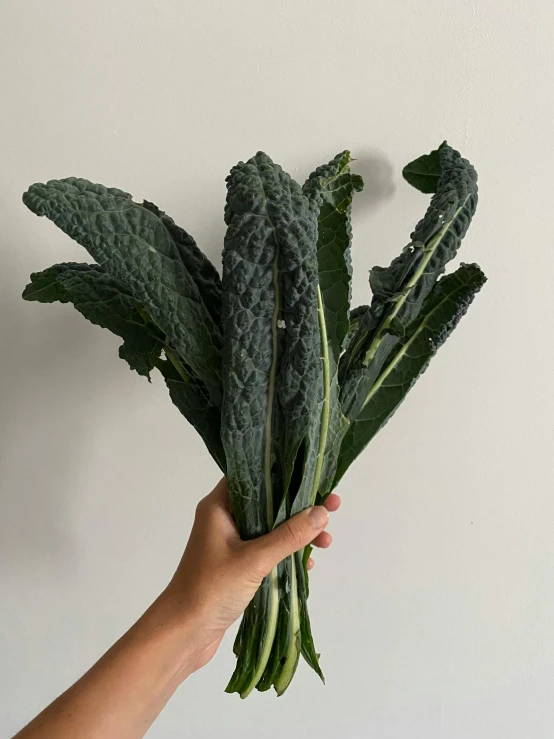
(434, 609)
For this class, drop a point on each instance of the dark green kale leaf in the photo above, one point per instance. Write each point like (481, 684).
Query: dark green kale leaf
(424, 172)
(330, 189)
(107, 302)
(272, 381)
(440, 314)
(134, 245)
(104, 301)
(400, 289)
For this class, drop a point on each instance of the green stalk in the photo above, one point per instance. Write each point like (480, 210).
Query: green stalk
(325, 411)
(268, 429)
(175, 362)
(269, 636)
(389, 368)
(293, 651)
(273, 609)
(295, 641)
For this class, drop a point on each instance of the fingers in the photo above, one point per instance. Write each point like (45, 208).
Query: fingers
(332, 503)
(291, 536)
(323, 540)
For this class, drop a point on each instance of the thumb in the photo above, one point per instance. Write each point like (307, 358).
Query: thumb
(291, 536)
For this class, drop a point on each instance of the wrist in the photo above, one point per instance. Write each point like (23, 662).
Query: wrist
(175, 633)
(186, 628)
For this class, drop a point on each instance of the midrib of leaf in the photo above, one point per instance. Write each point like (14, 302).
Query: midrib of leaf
(175, 362)
(431, 249)
(341, 171)
(169, 353)
(390, 367)
(268, 429)
(293, 651)
(326, 396)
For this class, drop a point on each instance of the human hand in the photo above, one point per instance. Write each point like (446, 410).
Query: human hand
(217, 577)
(219, 573)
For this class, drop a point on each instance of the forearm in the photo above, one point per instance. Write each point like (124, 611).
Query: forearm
(123, 693)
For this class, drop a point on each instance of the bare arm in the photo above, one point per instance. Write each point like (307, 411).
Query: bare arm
(124, 692)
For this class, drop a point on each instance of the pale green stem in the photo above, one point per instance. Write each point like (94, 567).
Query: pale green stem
(375, 387)
(269, 637)
(175, 362)
(293, 651)
(268, 429)
(326, 396)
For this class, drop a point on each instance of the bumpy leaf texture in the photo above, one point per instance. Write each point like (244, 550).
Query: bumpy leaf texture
(272, 389)
(425, 172)
(283, 382)
(400, 289)
(104, 301)
(107, 302)
(330, 189)
(271, 358)
(133, 244)
(440, 313)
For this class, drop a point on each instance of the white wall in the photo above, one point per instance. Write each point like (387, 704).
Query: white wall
(434, 609)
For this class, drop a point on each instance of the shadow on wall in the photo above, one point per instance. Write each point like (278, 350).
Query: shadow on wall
(379, 187)
(45, 370)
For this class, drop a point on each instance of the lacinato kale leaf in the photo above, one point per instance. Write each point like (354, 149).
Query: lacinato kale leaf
(134, 245)
(425, 172)
(440, 313)
(272, 366)
(330, 188)
(107, 302)
(400, 289)
(104, 301)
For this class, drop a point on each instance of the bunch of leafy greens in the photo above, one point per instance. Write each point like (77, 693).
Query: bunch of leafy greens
(285, 384)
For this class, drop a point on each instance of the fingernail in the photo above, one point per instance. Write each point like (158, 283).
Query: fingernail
(318, 516)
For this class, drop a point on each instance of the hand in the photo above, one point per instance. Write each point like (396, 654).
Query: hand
(219, 573)
(121, 695)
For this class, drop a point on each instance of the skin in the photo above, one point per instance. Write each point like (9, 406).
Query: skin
(124, 692)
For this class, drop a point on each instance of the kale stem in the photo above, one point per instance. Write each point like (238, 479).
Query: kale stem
(176, 363)
(273, 596)
(326, 396)
(431, 248)
(269, 636)
(293, 651)
(403, 349)
(268, 429)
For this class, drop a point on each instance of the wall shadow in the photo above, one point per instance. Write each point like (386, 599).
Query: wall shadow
(379, 185)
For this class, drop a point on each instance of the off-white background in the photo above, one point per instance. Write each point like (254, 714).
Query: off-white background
(434, 609)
